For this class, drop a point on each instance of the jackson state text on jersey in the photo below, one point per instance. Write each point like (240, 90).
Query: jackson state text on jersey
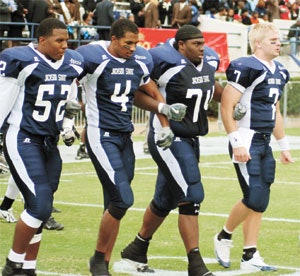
(44, 87)
(110, 84)
(261, 89)
(181, 81)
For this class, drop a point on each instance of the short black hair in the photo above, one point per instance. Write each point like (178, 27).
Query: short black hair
(122, 26)
(47, 26)
(85, 16)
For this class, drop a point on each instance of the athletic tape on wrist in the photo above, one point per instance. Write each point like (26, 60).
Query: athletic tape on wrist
(68, 123)
(284, 144)
(160, 107)
(235, 139)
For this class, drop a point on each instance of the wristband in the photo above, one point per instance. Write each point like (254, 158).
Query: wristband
(160, 107)
(68, 123)
(283, 144)
(235, 139)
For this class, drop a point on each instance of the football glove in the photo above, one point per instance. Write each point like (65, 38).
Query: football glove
(239, 112)
(72, 108)
(174, 112)
(68, 136)
(165, 138)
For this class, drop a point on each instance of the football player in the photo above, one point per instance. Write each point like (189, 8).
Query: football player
(257, 82)
(114, 71)
(184, 76)
(38, 91)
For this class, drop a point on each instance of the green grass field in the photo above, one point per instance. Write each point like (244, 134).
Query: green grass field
(80, 199)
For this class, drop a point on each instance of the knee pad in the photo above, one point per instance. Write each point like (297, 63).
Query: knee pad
(195, 193)
(116, 212)
(189, 209)
(157, 211)
(30, 220)
(259, 202)
(125, 194)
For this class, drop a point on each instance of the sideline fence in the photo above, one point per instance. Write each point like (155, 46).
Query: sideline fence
(140, 116)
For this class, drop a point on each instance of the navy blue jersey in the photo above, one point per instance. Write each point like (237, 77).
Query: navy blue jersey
(110, 83)
(261, 86)
(38, 88)
(180, 81)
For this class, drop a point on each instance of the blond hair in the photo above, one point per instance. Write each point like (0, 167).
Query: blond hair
(258, 32)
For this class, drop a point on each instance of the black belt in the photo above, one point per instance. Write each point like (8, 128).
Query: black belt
(261, 135)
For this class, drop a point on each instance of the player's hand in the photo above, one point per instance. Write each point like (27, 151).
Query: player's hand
(72, 109)
(174, 112)
(165, 138)
(68, 136)
(241, 154)
(239, 112)
(286, 157)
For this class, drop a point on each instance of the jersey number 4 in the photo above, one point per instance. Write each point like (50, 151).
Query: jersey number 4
(122, 98)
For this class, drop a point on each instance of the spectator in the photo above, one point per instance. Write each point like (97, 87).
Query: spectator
(284, 10)
(240, 6)
(252, 5)
(221, 14)
(137, 8)
(246, 20)
(294, 36)
(26, 6)
(89, 32)
(5, 12)
(248, 7)
(165, 9)
(71, 10)
(151, 14)
(261, 8)
(130, 17)
(273, 9)
(15, 31)
(195, 13)
(254, 18)
(37, 12)
(207, 5)
(230, 16)
(294, 11)
(55, 8)
(182, 14)
(104, 16)
(229, 4)
(266, 18)
(89, 5)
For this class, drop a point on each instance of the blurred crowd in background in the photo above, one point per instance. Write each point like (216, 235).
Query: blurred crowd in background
(145, 13)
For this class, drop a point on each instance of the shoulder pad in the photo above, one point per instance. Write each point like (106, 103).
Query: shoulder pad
(21, 53)
(249, 62)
